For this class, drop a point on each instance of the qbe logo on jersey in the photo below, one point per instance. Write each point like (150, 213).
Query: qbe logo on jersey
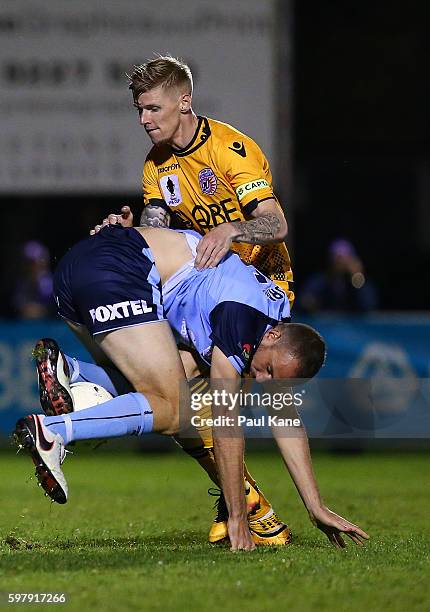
(170, 188)
(121, 310)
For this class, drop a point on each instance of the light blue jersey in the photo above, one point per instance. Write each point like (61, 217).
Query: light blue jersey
(230, 306)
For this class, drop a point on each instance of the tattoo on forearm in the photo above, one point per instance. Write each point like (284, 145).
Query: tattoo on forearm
(154, 216)
(258, 231)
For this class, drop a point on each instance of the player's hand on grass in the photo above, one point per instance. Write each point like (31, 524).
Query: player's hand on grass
(125, 218)
(239, 534)
(214, 245)
(333, 525)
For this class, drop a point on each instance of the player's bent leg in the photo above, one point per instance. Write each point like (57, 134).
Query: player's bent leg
(148, 358)
(150, 361)
(102, 372)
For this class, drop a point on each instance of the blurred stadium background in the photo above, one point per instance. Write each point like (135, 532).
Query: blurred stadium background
(334, 95)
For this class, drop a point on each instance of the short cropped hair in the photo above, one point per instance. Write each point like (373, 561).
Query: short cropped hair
(306, 345)
(163, 70)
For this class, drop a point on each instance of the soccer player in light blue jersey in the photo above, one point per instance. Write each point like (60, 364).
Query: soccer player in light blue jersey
(112, 289)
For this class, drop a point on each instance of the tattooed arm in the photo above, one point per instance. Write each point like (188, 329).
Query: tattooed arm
(154, 216)
(258, 231)
(268, 225)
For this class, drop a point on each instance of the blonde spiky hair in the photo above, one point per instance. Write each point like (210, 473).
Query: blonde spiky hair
(165, 70)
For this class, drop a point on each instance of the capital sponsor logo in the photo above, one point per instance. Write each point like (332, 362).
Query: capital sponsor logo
(121, 310)
(170, 188)
(208, 181)
(246, 188)
(171, 168)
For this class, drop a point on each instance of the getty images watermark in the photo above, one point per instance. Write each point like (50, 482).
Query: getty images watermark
(228, 407)
(341, 408)
(232, 402)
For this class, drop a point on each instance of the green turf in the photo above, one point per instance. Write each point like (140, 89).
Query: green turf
(132, 537)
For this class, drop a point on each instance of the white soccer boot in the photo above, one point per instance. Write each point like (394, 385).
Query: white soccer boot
(47, 452)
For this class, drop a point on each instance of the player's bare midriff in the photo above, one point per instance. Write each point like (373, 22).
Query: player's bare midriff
(170, 250)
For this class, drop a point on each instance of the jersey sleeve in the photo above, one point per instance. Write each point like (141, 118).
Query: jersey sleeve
(247, 171)
(237, 330)
(151, 188)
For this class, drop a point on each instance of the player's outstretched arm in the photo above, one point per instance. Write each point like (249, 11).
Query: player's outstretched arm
(267, 226)
(229, 451)
(152, 216)
(296, 455)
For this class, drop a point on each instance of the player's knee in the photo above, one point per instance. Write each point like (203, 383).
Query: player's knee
(170, 424)
(166, 413)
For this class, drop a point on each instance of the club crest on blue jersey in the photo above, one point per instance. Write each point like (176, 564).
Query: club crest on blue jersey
(208, 181)
(246, 352)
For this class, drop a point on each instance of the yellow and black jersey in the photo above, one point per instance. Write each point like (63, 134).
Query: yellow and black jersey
(221, 176)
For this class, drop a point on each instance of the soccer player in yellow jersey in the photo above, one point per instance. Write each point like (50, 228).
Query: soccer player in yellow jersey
(220, 184)
(206, 175)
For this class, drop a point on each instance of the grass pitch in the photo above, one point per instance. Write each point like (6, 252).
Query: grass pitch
(133, 536)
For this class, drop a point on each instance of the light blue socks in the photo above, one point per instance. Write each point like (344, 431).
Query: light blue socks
(124, 415)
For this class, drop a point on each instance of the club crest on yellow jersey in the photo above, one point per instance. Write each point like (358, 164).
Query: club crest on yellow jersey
(208, 181)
